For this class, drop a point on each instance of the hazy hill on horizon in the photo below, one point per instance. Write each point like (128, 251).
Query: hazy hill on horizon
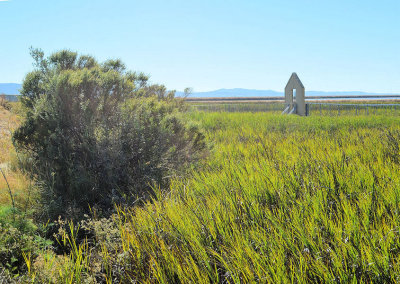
(10, 88)
(238, 92)
(13, 89)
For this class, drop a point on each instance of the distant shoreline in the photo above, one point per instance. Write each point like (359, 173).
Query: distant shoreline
(10, 98)
(281, 98)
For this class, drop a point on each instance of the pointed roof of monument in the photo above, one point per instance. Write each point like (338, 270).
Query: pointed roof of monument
(294, 81)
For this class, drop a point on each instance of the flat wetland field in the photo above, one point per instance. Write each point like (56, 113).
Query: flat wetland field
(278, 199)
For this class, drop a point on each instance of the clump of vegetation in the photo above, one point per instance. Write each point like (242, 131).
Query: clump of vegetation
(96, 134)
(19, 236)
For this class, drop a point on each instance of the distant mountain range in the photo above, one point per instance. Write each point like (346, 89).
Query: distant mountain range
(223, 93)
(13, 89)
(10, 88)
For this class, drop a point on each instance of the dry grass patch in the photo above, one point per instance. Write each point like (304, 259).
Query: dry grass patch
(18, 183)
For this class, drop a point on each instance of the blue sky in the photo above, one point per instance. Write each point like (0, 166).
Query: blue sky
(256, 44)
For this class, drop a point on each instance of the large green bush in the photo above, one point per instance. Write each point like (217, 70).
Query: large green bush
(96, 134)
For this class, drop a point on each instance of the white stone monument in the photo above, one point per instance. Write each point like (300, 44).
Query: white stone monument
(296, 105)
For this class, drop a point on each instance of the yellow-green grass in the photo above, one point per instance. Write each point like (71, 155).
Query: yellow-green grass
(280, 199)
(18, 183)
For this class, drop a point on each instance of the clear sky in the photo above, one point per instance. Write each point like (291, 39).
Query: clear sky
(341, 45)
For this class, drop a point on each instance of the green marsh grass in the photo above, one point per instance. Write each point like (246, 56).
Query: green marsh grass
(279, 199)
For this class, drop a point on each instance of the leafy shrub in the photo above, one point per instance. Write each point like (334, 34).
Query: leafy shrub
(18, 236)
(96, 134)
(77, 263)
